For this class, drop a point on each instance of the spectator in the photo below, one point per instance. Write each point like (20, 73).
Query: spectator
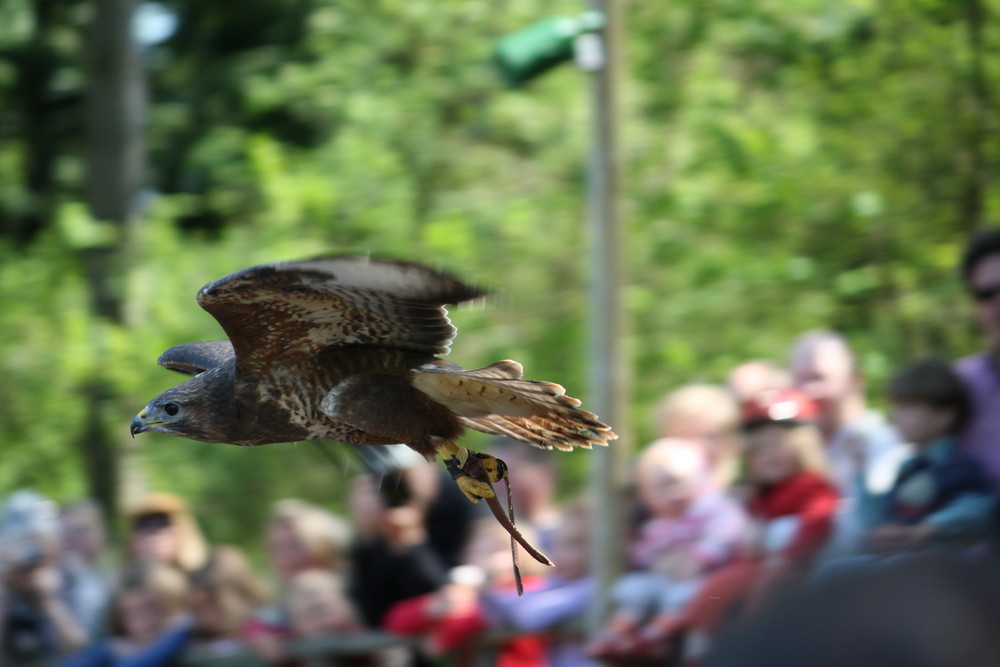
(300, 537)
(392, 556)
(452, 616)
(790, 494)
(980, 269)
(706, 414)
(561, 598)
(224, 595)
(863, 450)
(162, 530)
(82, 562)
(754, 377)
(150, 627)
(35, 622)
(791, 500)
(693, 528)
(941, 493)
(404, 477)
(318, 605)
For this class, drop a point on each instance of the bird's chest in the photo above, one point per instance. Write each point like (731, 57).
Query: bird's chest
(284, 408)
(287, 404)
(298, 397)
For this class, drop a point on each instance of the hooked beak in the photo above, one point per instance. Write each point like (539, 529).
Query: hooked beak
(138, 423)
(141, 423)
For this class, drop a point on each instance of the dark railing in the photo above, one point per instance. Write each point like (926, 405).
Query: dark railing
(325, 649)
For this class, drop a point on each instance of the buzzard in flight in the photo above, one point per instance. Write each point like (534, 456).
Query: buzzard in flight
(349, 348)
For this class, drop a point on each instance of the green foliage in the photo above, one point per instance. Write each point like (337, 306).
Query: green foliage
(787, 165)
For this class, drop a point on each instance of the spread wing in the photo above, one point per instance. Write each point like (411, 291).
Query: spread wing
(194, 358)
(305, 306)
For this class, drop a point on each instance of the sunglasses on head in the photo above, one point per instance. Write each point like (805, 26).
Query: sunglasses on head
(982, 294)
(151, 522)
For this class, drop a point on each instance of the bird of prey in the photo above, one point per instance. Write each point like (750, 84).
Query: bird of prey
(348, 348)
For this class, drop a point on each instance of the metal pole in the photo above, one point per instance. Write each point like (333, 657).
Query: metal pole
(607, 382)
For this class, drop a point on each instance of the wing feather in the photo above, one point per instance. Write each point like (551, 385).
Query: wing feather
(194, 358)
(306, 306)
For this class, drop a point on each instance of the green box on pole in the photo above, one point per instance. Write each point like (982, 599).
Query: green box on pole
(523, 55)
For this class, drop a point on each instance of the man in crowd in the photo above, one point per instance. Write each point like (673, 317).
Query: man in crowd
(980, 270)
(863, 450)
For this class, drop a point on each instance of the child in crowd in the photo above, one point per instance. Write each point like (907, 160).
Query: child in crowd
(150, 625)
(224, 595)
(452, 616)
(299, 537)
(563, 596)
(693, 529)
(940, 494)
(790, 498)
(790, 495)
(708, 415)
(318, 605)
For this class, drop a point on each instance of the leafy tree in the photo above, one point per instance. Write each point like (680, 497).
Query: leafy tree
(788, 165)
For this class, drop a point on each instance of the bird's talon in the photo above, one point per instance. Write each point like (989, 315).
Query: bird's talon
(474, 489)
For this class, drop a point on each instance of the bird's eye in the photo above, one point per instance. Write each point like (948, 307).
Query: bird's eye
(171, 409)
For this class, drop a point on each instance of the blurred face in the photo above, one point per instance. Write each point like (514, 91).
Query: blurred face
(317, 611)
(289, 555)
(752, 378)
(80, 535)
(141, 616)
(570, 550)
(919, 423)
(207, 611)
(489, 551)
(984, 279)
(666, 492)
(708, 432)
(824, 374)
(154, 537)
(533, 486)
(770, 457)
(364, 503)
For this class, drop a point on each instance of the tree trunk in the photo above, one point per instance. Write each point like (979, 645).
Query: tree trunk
(975, 167)
(115, 158)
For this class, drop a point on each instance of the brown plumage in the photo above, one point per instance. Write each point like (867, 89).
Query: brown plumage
(348, 348)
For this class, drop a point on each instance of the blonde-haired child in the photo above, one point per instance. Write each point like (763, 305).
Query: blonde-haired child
(692, 529)
(318, 604)
(790, 498)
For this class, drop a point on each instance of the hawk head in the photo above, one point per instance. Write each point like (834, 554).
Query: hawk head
(192, 409)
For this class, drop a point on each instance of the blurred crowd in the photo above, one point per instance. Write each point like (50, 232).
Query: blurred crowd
(780, 481)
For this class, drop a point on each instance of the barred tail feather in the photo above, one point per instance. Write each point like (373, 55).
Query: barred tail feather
(495, 400)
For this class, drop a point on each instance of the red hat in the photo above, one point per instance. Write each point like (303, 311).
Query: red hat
(781, 406)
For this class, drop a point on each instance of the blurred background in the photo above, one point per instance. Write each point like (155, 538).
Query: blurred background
(785, 165)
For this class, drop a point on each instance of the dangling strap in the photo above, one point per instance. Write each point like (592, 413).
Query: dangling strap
(515, 535)
(514, 555)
